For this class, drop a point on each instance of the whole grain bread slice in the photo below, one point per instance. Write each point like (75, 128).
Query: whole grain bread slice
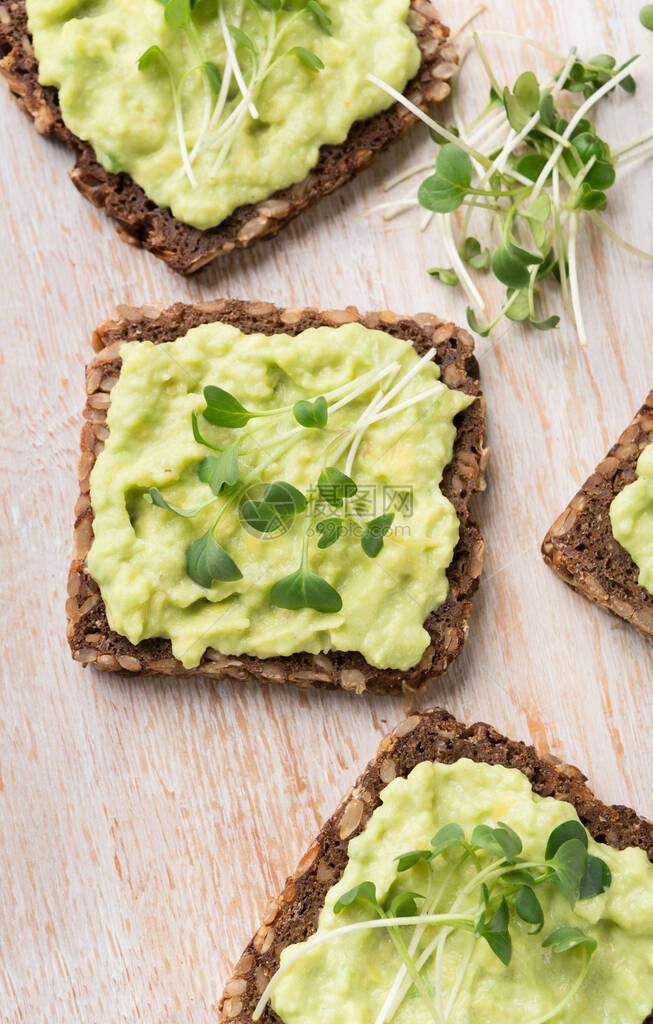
(580, 546)
(432, 735)
(91, 639)
(186, 249)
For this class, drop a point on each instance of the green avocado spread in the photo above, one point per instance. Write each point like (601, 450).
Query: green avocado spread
(202, 131)
(397, 461)
(348, 979)
(631, 515)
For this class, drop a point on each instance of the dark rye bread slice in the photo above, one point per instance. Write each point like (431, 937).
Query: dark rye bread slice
(432, 735)
(91, 639)
(186, 249)
(580, 546)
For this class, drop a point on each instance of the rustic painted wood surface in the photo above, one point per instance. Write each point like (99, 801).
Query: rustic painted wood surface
(144, 823)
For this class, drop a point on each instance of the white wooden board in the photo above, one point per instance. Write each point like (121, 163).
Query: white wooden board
(144, 822)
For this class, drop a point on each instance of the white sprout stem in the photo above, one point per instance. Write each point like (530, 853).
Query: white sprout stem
(183, 148)
(405, 175)
(640, 156)
(559, 236)
(311, 944)
(395, 997)
(351, 390)
(618, 151)
(363, 425)
(573, 279)
(604, 226)
(427, 220)
(226, 79)
(232, 124)
(469, 287)
(569, 996)
(381, 401)
(439, 389)
(238, 75)
(521, 39)
(467, 21)
(444, 132)
(460, 979)
(395, 207)
(578, 116)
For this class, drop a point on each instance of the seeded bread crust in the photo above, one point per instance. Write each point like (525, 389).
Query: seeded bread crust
(186, 249)
(432, 735)
(91, 639)
(580, 546)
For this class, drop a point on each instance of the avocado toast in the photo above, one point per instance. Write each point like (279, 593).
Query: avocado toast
(580, 546)
(143, 222)
(431, 736)
(92, 640)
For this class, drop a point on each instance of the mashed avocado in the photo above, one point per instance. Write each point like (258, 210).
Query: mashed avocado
(347, 980)
(631, 515)
(138, 555)
(90, 49)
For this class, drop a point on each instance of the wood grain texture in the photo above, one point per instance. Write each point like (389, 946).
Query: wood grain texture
(144, 822)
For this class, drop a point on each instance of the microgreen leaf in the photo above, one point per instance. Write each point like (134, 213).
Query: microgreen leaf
(157, 499)
(311, 414)
(474, 324)
(520, 307)
(261, 517)
(597, 878)
(563, 833)
(509, 269)
(241, 37)
(307, 57)
(285, 499)
(446, 275)
(446, 837)
(404, 905)
(323, 19)
(569, 937)
(213, 76)
(473, 254)
(334, 487)
(501, 841)
(152, 56)
(365, 892)
(445, 190)
(531, 165)
(374, 532)
(219, 471)
(330, 531)
(529, 908)
(305, 589)
(206, 561)
(646, 16)
(198, 436)
(408, 860)
(177, 13)
(496, 934)
(223, 410)
(545, 325)
(569, 864)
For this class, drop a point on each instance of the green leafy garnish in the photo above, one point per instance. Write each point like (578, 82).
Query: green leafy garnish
(305, 589)
(549, 172)
(374, 532)
(207, 561)
(335, 487)
(220, 471)
(330, 531)
(309, 59)
(311, 414)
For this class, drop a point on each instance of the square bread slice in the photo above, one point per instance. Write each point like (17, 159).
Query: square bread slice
(91, 639)
(187, 249)
(432, 735)
(580, 546)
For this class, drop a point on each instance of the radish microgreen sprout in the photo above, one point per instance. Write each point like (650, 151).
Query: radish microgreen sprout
(229, 477)
(537, 172)
(501, 891)
(248, 58)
